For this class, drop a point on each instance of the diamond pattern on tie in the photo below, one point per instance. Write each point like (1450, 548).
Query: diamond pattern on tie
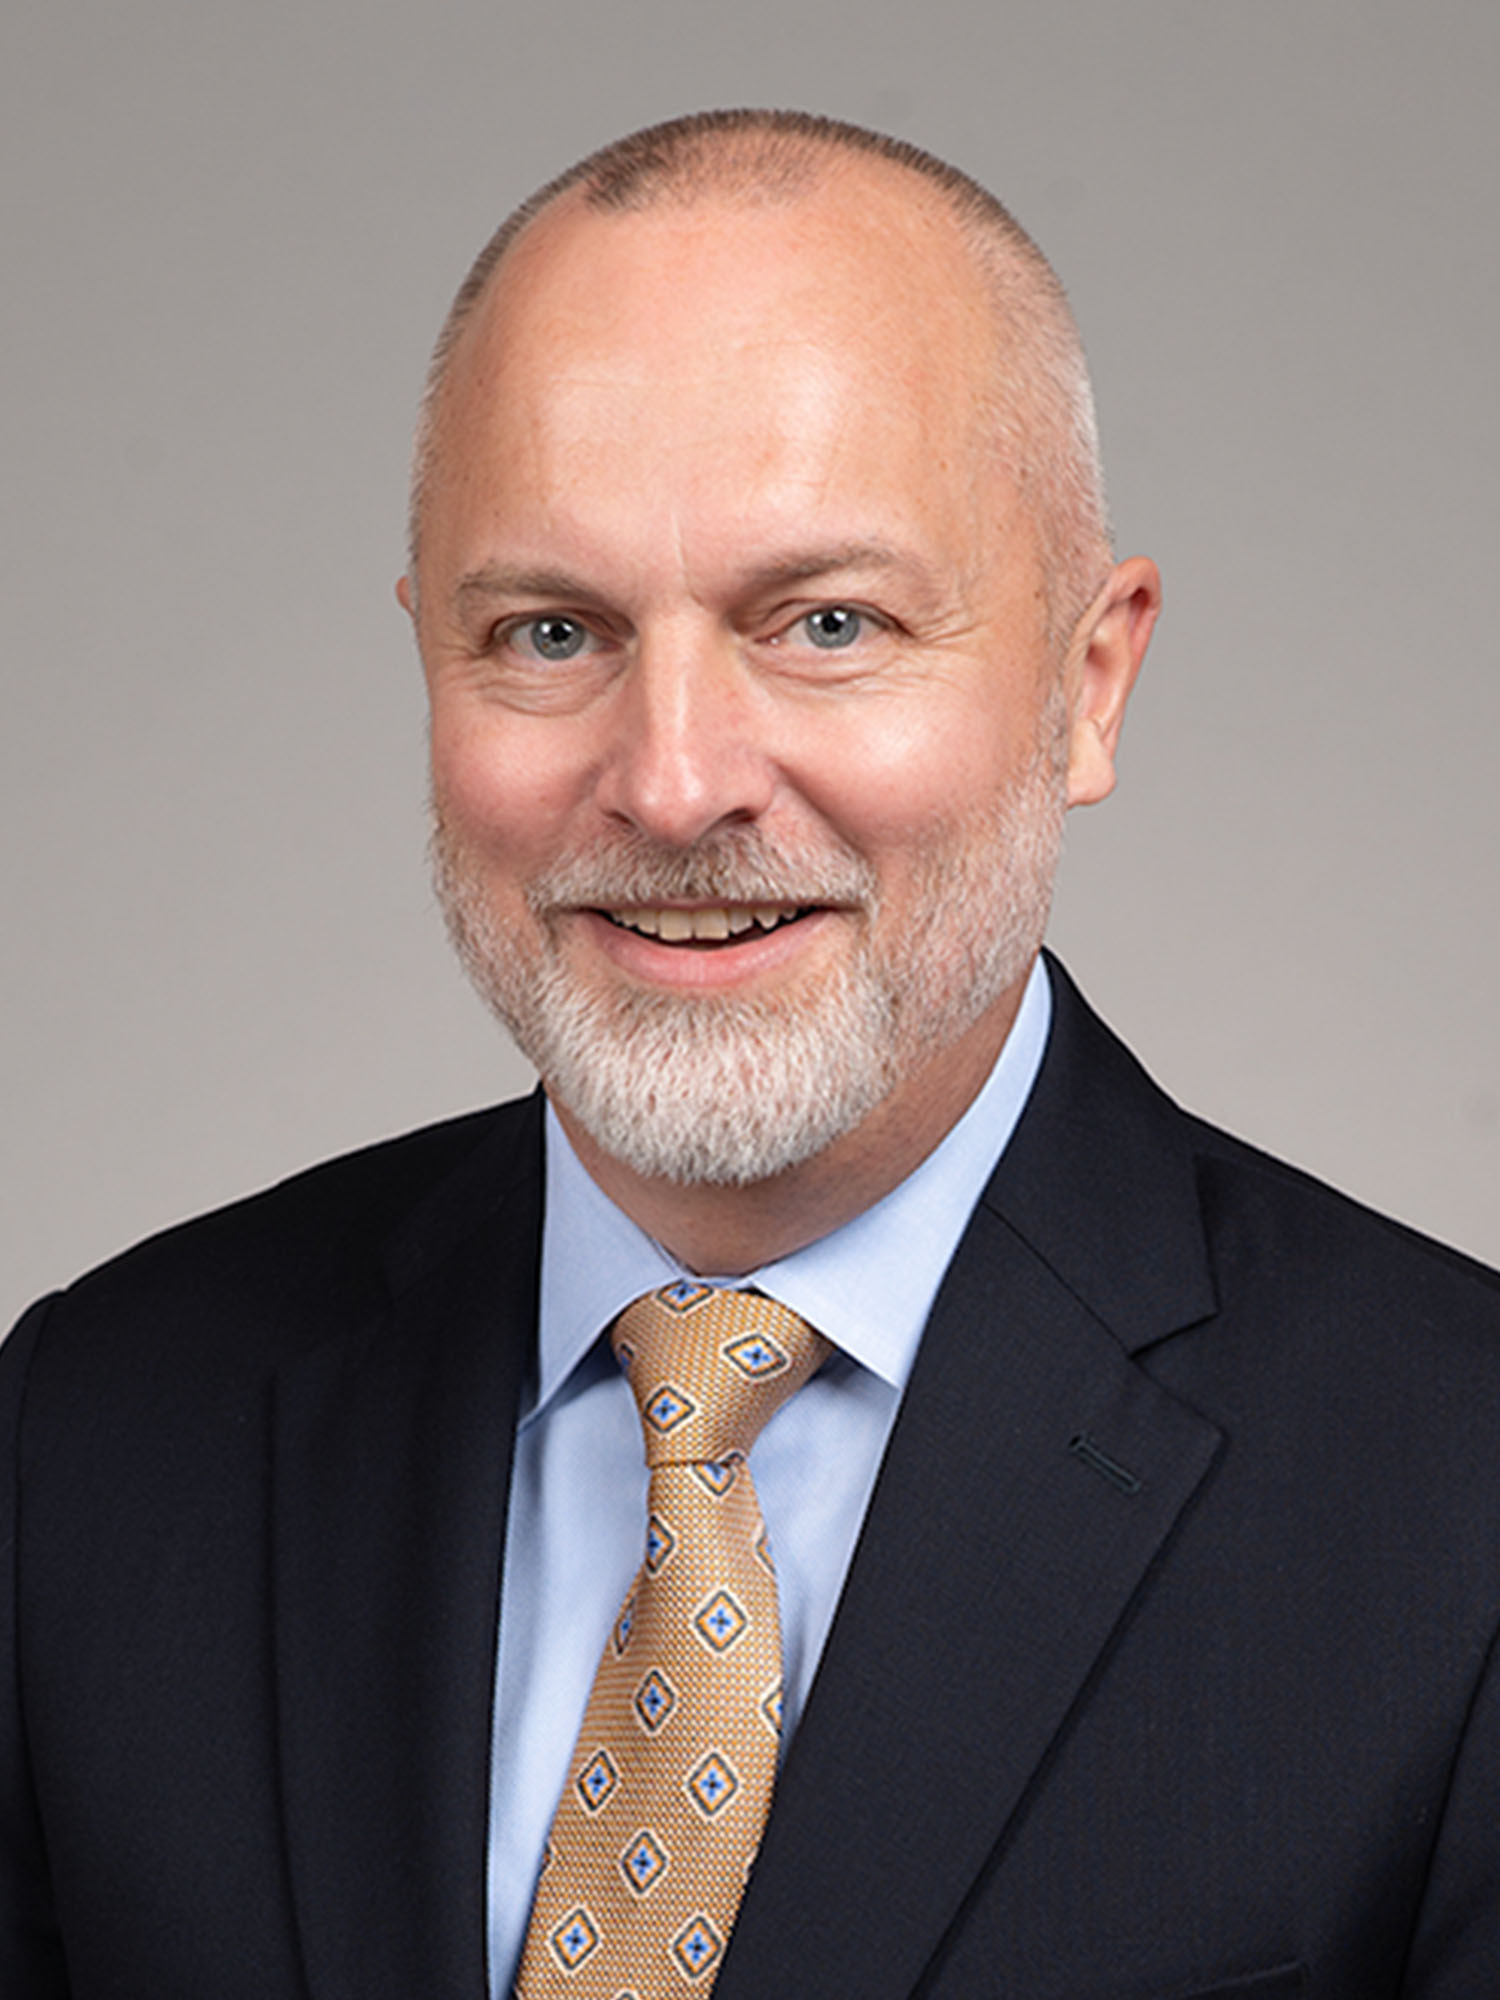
(712, 1784)
(660, 1542)
(644, 1862)
(720, 1622)
(654, 1700)
(574, 1940)
(717, 1478)
(624, 1625)
(772, 1707)
(697, 1949)
(597, 1780)
(756, 1356)
(667, 1409)
(671, 1781)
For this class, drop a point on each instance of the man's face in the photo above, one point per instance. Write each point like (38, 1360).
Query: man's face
(747, 744)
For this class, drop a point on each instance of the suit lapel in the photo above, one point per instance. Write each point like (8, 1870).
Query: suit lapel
(392, 1457)
(1035, 1474)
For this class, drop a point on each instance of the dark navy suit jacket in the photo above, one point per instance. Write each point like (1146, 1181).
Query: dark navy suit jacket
(1163, 1670)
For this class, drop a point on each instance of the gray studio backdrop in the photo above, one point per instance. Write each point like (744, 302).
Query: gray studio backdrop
(230, 231)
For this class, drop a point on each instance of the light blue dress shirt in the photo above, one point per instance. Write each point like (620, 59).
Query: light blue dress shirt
(577, 1504)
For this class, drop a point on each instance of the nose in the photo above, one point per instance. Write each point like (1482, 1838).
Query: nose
(687, 750)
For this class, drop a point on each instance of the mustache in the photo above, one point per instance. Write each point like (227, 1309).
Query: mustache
(732, 865)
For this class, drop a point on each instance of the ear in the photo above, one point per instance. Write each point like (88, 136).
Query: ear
(1108, 645)
(406, 596)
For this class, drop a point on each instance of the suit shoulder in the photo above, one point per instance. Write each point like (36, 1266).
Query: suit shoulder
(1156, 1217)
(1306, 1221)
(279, 1259)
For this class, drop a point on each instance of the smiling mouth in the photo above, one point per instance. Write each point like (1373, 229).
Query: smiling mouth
(715, 923)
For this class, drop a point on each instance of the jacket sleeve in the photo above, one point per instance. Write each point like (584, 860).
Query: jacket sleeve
(31, 1954)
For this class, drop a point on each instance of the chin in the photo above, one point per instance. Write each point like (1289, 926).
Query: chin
(711, 1089)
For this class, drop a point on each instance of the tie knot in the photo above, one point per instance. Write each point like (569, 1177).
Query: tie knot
(710, 1367)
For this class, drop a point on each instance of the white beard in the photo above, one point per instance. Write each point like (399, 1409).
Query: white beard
(699, 1087)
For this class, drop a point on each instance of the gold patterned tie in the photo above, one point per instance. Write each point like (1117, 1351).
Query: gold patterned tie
(671, 1779)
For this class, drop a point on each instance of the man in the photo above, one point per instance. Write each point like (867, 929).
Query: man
(1137, 1544)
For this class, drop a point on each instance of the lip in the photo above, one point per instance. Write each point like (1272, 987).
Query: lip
(697, 967)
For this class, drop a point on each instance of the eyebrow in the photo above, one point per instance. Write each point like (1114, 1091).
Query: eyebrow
(505, 580)
(500, 580)
(806, 568)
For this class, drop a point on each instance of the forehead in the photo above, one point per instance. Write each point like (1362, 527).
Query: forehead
(840, 346)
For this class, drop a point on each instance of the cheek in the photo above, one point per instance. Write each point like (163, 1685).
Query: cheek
(903, 779)
(499, 784)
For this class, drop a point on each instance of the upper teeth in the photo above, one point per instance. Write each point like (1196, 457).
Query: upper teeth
(677, 926)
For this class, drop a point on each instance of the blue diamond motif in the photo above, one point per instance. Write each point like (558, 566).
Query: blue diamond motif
(712, 1784)
(683, 1295)
(718, 1477)
(644, 1862)
(660, 1542)
(624, 1625)
(668, 1408)
(655, 1699)
(756, 1356)
(697, 1947)
(720, 1621)
(574, 1939)
(597, 1781)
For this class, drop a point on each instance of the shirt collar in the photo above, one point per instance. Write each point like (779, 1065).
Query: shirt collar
(867, 1286)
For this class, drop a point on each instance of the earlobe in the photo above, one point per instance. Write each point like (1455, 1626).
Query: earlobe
(405, 596)
(1108, 646)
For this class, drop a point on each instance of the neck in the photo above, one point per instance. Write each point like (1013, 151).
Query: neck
(725, 1231)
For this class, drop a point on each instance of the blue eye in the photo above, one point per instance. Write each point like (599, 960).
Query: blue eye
(834, 626)
(553, 637)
